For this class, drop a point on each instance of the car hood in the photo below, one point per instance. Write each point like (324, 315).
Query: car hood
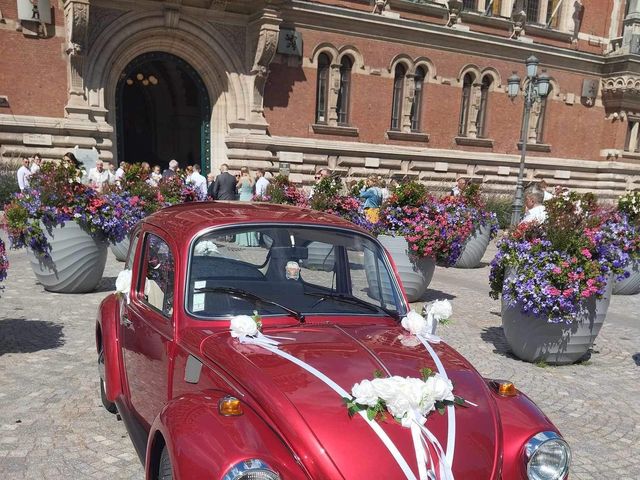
(314, 420)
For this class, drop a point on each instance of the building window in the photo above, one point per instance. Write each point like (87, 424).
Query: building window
(416, 105)
(541, 118)
(467, 85)
(469, 4)
(398, 96)
(553, 13)
(322, 88)
(533, 10)
(494, 8)
(158, 280)
(632, 143)
(343, 94)
(481, 121)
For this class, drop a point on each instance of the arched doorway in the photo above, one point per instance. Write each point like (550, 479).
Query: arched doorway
(163, 112)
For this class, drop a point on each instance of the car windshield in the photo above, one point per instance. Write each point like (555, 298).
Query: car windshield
(289, 270)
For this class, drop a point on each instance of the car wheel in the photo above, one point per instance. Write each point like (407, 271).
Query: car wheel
(165, 472)
(109, 406)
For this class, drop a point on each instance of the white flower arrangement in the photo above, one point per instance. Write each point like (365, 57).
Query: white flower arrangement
(421, 328)
(405, 398)
(206, 248)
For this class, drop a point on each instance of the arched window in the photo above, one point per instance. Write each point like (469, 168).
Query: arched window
(322, 88)
(416, 106)
(398, 96)
(467, 84)
(343, 93)
(541, 118)
(481, 122)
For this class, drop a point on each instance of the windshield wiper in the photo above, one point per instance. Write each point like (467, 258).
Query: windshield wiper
(243, 294)
(351, 299)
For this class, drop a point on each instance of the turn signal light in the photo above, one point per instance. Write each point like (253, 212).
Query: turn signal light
(230, 407)
(504, 388)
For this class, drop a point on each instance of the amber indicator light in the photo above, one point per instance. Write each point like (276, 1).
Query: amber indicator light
(507, 389)
(230, 407)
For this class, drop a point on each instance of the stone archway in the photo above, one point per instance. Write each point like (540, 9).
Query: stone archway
(162, 112)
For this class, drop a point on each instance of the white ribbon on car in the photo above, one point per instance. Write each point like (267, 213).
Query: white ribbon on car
(421, 436)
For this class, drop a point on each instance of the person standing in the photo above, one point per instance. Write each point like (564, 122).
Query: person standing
(225, 185)
(35, 164)
(172, 170)
(199, 182)
(372, 196)
(458, 188)
(535, 211)
(261, 183)
(23, 174)
(98, 176)
(211, 183)
(245, 189)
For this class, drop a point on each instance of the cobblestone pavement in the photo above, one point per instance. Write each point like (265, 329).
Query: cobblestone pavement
(52, 424)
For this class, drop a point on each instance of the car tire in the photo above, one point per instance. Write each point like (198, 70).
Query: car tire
(165, 471)
(109, 406)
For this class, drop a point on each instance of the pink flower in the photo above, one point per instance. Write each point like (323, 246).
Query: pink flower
(567, 293)
(553, 291)
(586, 252)
(557, 270)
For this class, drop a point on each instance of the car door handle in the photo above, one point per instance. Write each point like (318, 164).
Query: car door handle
(124, 320)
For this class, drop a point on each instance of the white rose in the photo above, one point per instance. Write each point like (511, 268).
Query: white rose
(243, 326)
(407, 397)
(440, 388)
(123, 282)
(441, 310)
(414, 322)
(364, 393)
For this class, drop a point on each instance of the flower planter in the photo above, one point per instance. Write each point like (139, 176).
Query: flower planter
(631, 284)
(416, 274)
(474, 248)
(77, 260)
(534, 339)
(120, 249)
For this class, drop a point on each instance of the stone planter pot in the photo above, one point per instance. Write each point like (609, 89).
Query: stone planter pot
(534, 339)
(474, 248)
(415, 274)
(120, 249)
(630, 285)
(77, 260)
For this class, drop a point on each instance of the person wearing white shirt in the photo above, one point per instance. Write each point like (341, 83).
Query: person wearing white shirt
(543, 186)
(98, 176)
(35, 164)
(120, 171)
(262, 183)
(23, 174)
(199, 182)
(535, 211)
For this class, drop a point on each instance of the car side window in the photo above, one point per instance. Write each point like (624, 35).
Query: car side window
(132, 252)
(159, 274)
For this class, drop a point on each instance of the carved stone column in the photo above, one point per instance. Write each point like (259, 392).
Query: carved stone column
(76, 14)
(268, 29)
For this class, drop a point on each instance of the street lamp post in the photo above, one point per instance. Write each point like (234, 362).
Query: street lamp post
(536, 89)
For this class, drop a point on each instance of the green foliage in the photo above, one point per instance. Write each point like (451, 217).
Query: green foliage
(8, 182)
(409, 194)
(425, 373)
(501, 206)
(567, 217)
(629, 204)
(471, 195)
(325, 192)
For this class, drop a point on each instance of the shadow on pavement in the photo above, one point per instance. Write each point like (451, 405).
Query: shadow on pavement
(636, 358)
(496, 336)
(18, 335)
(107, 284)
(431, 295)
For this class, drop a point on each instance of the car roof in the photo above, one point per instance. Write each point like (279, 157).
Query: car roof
(187, 219)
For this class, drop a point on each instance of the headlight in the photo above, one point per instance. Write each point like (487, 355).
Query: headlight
(253, 469)
(548, 457)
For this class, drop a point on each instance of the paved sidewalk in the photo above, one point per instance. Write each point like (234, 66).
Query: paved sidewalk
(52, 424)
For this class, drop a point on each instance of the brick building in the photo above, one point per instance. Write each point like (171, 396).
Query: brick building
(404, 88)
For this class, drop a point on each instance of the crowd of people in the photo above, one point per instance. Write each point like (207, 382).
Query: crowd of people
(244, 186)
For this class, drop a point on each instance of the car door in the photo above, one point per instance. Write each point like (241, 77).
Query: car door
(147, 329)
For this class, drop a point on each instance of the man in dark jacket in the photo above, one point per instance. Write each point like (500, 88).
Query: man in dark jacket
(225, 185)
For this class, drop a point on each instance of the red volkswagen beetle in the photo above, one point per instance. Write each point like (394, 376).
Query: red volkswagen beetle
(204, 399)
